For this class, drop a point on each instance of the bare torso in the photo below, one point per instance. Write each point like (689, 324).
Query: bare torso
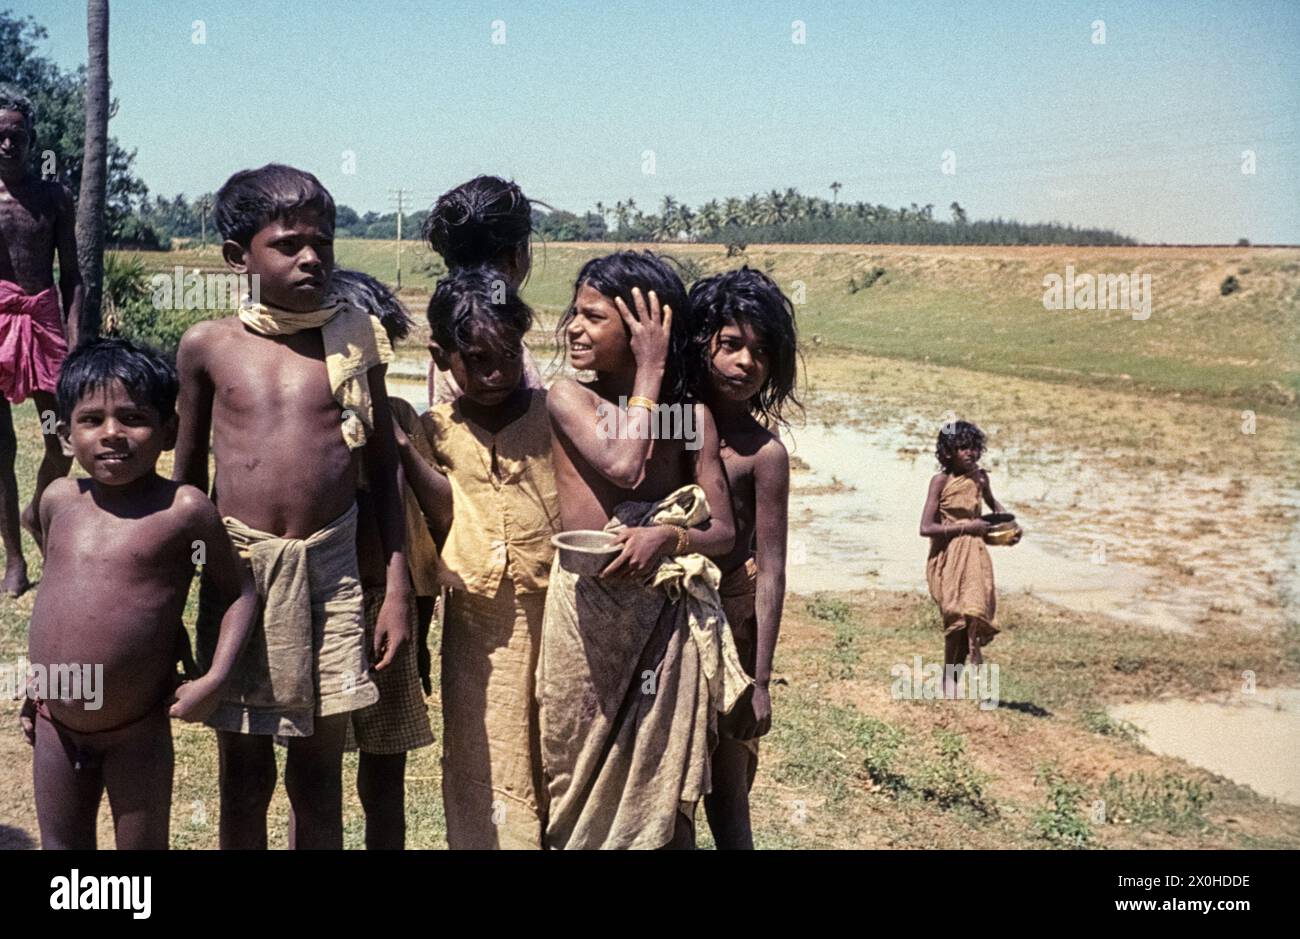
(29, 219)
(282, 464)
(740, 446)
(588, 499)
(113, 591)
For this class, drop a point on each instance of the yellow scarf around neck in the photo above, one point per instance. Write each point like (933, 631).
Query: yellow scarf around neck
(355, 342)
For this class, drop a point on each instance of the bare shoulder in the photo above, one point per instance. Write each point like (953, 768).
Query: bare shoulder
(59, 491)
(205, 334)
(772, 456)
(939, 480)
(569, 400)
(566, 395)
(57, 195)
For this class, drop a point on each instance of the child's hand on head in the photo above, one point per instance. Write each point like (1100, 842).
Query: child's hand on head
(641, 550)
(650, 328)
(195, 701)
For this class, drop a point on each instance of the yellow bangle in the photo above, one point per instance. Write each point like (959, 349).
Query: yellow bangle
(636, 401)
(683, 541)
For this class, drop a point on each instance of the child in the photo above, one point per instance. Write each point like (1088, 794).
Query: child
(399, 721)
(744, 347)
(119, 557)
(635, 663)
(292, 391)
(492, 501)
(959, 570)
(37, 220)
(487, 221)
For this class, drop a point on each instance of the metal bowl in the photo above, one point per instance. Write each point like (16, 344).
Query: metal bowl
(1003, 529)
(585, 551)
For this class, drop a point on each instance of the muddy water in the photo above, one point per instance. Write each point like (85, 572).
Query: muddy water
(1096, 541)
(1253, 739)
(1133, 545)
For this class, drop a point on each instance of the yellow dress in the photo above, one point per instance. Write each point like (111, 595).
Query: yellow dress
(496, 565)
(959, 569)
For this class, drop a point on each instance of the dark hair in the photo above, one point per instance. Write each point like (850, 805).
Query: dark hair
(614, 275)
(369, 294)
(251, 199)
(954, 436)
(747, 296)
(11, 99)
(148, 377)
(478, 221)
(476, 296)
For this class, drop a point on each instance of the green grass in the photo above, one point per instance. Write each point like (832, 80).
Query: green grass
(978, 308)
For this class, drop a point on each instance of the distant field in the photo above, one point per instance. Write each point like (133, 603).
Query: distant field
(980, 308)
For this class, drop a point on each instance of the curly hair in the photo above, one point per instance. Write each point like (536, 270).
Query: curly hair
(11, 99)
(954, 436)
(746, 296)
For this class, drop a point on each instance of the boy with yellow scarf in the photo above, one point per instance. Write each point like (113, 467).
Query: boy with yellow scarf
(291, 390)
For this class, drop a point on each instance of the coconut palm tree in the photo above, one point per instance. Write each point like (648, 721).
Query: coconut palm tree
(94, 170)
(732, 212)
(710, 217)
(835, 189)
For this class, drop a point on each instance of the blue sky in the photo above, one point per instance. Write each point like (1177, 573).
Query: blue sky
(1143, 133)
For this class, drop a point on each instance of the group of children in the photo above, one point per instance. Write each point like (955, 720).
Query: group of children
(579, 711)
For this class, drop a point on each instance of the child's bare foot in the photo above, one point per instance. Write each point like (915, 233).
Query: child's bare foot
(31, 523)
(15, 581)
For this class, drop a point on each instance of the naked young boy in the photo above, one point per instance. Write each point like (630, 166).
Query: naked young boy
(291, 391)
(119, 558)
(37, 221)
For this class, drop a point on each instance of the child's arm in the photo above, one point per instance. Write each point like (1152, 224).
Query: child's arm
(196, 699)
(771, 514)
(992, 501)
(644, 546)
(71, 289)
(620, 458)
(392, 628)
(432, 489)
(194, 406)
(54, 494)
(931, 527)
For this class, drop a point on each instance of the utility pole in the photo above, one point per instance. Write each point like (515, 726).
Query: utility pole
(203, 206)
(400, 196)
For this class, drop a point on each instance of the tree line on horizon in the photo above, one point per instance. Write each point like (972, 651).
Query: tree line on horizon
(135, 219)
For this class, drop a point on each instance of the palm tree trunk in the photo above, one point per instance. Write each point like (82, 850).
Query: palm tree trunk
(94, 169)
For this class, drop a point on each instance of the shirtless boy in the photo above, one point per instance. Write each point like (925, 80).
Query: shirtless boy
(122, 544)
(291, 389)
(36, 221)
(626, 720)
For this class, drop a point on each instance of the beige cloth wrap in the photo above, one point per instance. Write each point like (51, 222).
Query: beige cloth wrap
(630, 681)
(354, 341)
(959, 570)
(306, 656)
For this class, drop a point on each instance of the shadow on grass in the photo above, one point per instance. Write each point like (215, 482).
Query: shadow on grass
(15, 839)
(1025, 707)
